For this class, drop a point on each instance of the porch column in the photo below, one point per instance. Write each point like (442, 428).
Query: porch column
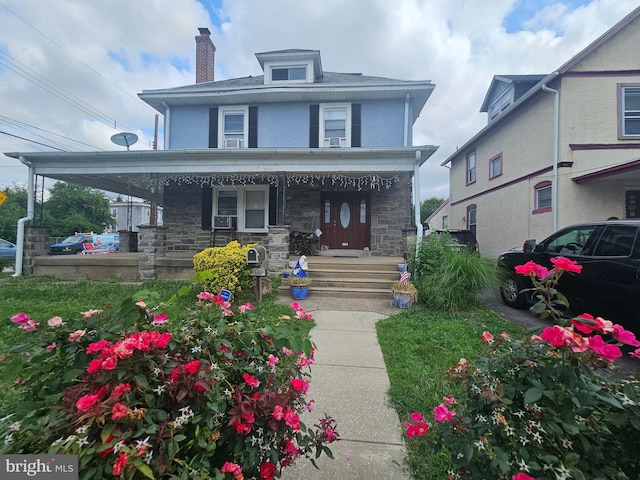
(278, 249)
(152, 243)
(128, 241)
(36, 244)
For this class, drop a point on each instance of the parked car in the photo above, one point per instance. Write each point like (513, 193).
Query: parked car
(609, 284)
(7, 249)
(71, 245)
(461, 239)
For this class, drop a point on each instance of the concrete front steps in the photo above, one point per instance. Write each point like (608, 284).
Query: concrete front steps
(344, 276)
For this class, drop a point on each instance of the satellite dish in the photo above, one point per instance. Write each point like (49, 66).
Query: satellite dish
(124, 139)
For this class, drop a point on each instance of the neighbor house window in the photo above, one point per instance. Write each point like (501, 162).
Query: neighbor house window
(114, 212)
(445, 222)
(495, 166)
(471, 167)
(244, 208)
(629, 107)
(283, 74)
(542, 192)
(235, 125)
(335, 125)
(471, 218)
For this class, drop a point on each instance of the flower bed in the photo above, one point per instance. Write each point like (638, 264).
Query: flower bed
(136, 394)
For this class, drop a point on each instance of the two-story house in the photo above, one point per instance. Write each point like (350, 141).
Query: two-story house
(558, 149)
(298, 147)
(130, 214)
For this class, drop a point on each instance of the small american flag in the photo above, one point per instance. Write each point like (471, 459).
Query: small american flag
(404, 278)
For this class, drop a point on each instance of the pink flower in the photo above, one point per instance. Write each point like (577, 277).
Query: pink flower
(554, 335)
(542, 272)
(300, 385)
(251, 380)
(86, 402)
(232, 468)
(487, 337)
(417, 429)
(291, 418)
(449, 400)
(120, 463)
(94, 365)
(522, 476)
(585, 323)
(566, 265)
(52, 346)
(121, 389)
(278, 412)
(20, 318)
(245, 307)
(442, 414)
(206, 296)
(55, 322)
(417, 417)
(118, 411)
(272, 360)
(625, 336)
(160, 318)
(528, 268)
(77, 335)
(310, 405)
(192, 367)
(97, 347)
(109, 363)
(295, 305)
(635, 353)
(29, 326)
(606, 351)
(89, 313)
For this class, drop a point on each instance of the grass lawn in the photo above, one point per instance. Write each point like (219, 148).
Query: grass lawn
(418, 347)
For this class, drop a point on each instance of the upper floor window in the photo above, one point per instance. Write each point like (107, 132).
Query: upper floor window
(542, 192)
(495, 166)
(445, 222)
(500, 105)
(471, 167)
(335, 125)
(629, 108)
(235, 126)
(283, 74)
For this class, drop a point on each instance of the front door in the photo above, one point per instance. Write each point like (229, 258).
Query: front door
(346, 220)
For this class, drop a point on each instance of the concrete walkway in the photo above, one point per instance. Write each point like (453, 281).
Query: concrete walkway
(349, 382)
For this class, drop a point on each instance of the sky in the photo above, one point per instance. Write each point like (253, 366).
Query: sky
(70, 70)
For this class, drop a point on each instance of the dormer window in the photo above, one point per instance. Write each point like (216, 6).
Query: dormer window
(283, 74)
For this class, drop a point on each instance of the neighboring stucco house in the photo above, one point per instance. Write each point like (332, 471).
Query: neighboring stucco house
(558, 149)
(297, 148)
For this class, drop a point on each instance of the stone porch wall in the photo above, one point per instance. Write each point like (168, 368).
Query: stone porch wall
(36, 244)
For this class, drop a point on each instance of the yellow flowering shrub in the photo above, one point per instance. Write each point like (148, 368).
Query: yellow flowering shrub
(228, 265)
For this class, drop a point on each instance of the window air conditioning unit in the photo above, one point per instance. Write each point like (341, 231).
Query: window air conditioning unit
(222, 222)
(232, 143)
(334, 142)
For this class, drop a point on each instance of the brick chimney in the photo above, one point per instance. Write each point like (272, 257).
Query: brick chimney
(205, 55)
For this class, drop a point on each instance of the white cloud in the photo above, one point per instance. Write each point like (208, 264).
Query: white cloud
(147, 44)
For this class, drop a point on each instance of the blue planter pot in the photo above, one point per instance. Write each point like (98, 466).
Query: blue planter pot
(299, 293)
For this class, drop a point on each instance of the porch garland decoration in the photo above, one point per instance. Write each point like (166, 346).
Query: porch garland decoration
(371, 182)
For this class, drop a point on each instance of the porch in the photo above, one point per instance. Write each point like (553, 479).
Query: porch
(337, 276)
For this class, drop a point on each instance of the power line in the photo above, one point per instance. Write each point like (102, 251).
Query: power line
(32, 141)
(27, 127)
(110, 121)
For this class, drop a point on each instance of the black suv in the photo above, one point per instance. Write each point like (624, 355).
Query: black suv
(460, 239)
(609, 284)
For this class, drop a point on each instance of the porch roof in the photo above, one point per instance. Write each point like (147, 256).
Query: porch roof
(138, 172)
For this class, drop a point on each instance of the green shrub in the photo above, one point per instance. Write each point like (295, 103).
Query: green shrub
(449, 278)
(228, 266)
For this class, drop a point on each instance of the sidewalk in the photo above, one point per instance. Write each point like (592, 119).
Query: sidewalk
(349, 382)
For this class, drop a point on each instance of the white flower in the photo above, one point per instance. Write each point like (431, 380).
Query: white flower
(522, 466)
(196, 349)
(159, 389)
(15, 426)
(82, 429)
(566, 443)
(148, 457)
(140, 443)
(8, 439)
(118, 446)
(82, 441)
(157, 371)
(186, 411)
(524, 440)
(562, 473)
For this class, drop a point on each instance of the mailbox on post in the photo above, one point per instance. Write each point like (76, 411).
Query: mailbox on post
(257, 255)
(257, 259)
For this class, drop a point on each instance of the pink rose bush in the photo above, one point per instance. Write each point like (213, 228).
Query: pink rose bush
(216, 394)
(543, 406)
